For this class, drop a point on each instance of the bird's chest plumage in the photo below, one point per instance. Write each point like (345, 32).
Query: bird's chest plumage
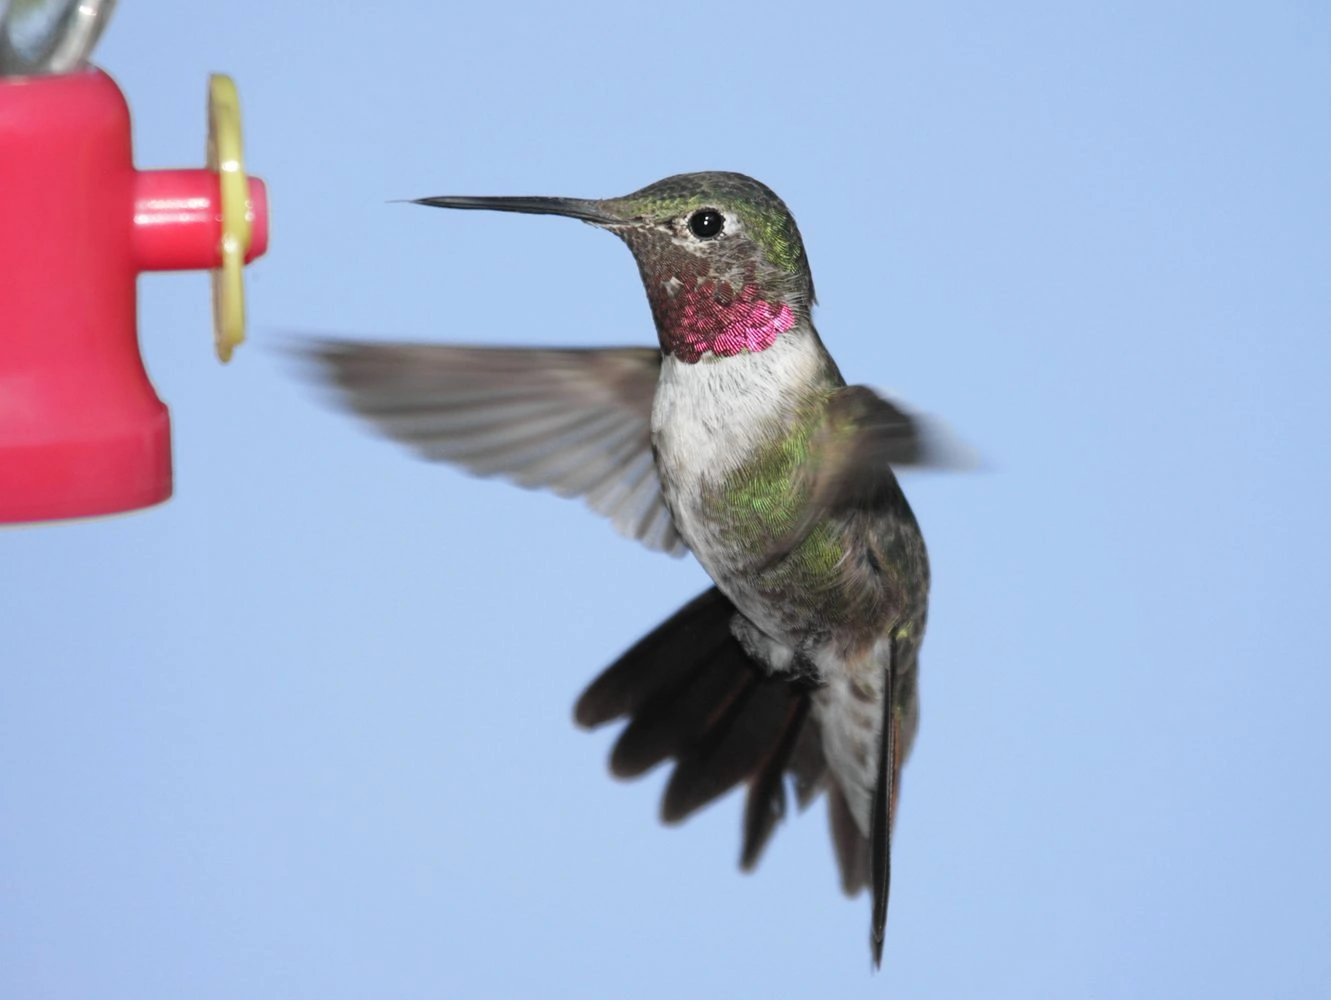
(730, 436)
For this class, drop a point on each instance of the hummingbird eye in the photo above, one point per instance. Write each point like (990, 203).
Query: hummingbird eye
(706, 223)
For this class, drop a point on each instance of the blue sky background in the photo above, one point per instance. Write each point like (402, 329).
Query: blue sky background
(305, 731)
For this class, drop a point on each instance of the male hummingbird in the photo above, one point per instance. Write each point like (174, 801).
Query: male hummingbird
(737, 440)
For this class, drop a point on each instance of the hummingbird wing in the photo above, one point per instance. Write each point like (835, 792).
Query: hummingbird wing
(850, 461)
(577, 422)
(921, 441)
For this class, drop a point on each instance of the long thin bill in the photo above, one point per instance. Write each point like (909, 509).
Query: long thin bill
(573, 208)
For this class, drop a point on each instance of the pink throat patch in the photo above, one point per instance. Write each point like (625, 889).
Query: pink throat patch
(713, 318)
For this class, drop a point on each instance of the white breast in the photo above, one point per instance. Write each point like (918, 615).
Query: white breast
(708, 418)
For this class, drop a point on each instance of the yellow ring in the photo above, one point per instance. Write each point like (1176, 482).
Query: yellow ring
(225, 158)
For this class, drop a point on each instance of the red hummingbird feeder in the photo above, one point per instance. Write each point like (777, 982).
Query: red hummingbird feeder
(82, 432)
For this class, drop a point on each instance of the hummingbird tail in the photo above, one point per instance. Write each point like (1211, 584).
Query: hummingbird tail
(691, 693)
(884, 808)
(851, 846)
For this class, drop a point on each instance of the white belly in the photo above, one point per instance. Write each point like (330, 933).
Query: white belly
(708, 418)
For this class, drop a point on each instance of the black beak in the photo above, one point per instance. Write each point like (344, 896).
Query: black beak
(573, 208)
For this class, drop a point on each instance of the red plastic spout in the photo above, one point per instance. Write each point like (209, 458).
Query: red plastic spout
(82, 432)
(178, 220)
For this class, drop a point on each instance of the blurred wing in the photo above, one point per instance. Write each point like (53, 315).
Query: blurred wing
(577, 422)
(900, 438)
(851, 458)
(916, 441)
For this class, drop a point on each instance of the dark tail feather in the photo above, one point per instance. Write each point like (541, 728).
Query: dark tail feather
(682, 716)
(884, 806)
(659, 662)
(766, 804)
(733, 748)
(692, 693)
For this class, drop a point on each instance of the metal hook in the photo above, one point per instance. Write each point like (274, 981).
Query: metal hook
(65, 43)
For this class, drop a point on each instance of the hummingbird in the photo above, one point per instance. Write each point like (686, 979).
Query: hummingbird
(735, 439)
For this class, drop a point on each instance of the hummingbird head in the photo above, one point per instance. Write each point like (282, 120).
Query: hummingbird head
(720, 256)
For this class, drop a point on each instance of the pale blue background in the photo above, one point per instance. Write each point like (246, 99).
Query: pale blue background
(305, 730)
